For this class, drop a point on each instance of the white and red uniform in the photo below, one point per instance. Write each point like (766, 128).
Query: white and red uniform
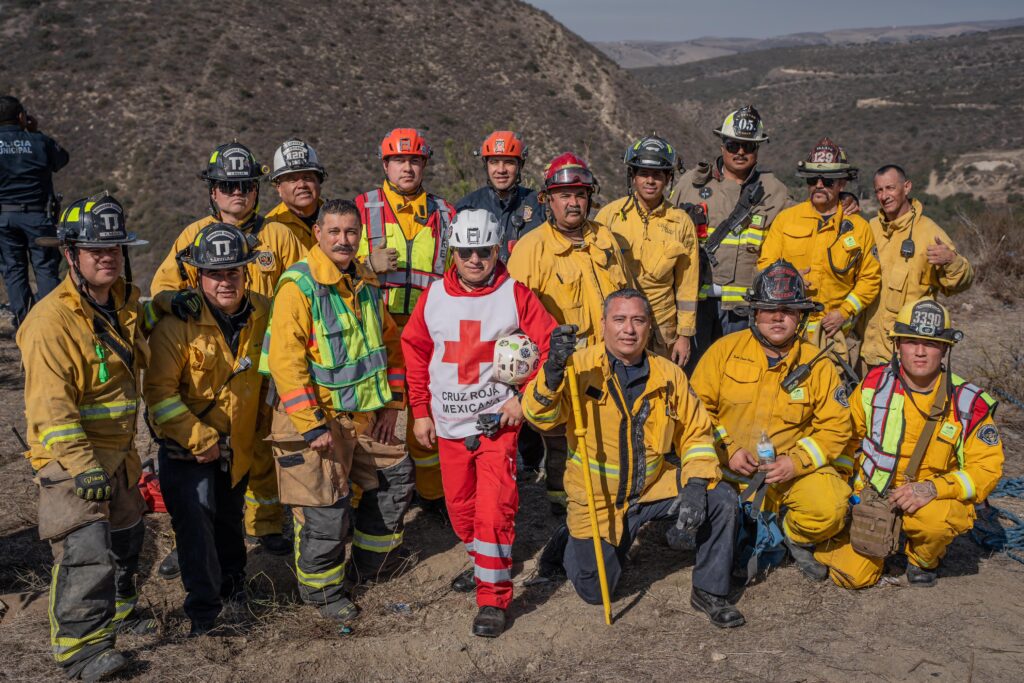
(448, 345)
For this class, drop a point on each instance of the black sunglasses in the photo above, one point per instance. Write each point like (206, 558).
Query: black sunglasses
(827, 182)
(229, 186)
(465, 253)
(733, 146)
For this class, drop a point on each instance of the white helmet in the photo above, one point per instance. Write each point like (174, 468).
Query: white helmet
(475, 228)
(743, 124)
(515, 359)
(293, 156)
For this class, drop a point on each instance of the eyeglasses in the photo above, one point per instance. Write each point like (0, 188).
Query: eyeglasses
(733, 146)
(230, 186)
(465, 253)
(826, 182)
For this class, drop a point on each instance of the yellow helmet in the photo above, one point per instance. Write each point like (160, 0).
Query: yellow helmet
(925, 319)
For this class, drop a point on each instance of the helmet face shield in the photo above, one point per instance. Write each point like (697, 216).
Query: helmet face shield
(570, 177)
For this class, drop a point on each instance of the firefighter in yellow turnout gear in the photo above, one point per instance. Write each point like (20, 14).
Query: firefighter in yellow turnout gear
(204, 397)
(405, 242)
(658, 244)
(297, 176)
(962, 461)
(725, 192)
(83, 351)
(232, 175)
(571, 264)
(334, 353)
(649, 444)
(767, 381)
(834, 252)
(918, 260)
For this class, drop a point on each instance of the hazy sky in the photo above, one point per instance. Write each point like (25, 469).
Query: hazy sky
(598, 20)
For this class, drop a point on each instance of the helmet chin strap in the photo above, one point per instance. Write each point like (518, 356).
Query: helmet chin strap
(764, 341)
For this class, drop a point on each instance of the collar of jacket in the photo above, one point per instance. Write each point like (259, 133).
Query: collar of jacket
(902, 222)
(260, 308)
(72, 298)
(323, 270)
(631, 203)
(454, 288)
(596, 358)
(809, 213)
(750, 349)
(591, 238)
(413, 204)
(282, 214)
(718, 174)
(515, 195)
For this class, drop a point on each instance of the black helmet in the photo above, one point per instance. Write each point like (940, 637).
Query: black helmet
(780, 285)
(219, 246)
(93, 223)
(652, 152)
(232, 162)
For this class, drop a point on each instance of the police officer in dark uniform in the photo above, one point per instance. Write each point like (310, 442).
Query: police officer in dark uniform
(28, 160)
(515, 206)
(518, 212)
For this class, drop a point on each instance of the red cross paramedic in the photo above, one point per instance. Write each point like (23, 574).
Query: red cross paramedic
(465, 401)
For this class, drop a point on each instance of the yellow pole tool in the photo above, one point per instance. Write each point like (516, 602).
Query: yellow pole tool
(581, 444)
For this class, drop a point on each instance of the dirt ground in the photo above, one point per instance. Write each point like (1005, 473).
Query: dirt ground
(414, 628)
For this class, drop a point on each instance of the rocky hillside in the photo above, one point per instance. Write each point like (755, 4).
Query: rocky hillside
(140, 91)
(947, 109)
(632, 54)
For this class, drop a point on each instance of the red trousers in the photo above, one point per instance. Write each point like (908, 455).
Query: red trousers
(481, 495)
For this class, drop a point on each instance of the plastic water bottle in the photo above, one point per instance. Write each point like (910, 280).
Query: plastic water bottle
(765, 449)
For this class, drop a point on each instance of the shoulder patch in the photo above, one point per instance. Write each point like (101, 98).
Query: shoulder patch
(841, 397)
(874, 252)
(527, 213)
(989, 434)
(265, 260)
(705, 192)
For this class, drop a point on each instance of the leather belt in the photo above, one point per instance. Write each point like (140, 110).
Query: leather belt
(22, 208)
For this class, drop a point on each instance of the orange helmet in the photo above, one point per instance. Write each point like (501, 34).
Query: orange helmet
(404, 141)
(503, 143)
(568, 170)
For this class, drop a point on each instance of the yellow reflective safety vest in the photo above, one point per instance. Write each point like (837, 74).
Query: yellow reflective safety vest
(421, 258)
(886, 449)
(346, 348)
(82, 381)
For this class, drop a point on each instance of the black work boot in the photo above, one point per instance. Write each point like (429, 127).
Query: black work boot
(275, 544)
(803, 555)
(919, 577)
(103, 665)
(720, 611)
(489, 622)
(137, 626)
(551, 563)
(463, 582)
(169, 568)
(342, 611)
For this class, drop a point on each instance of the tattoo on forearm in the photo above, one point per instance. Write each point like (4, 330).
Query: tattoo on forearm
(924, 489)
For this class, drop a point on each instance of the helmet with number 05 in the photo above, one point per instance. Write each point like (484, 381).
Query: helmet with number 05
(925, 319)
(743, 124)
(516, 358)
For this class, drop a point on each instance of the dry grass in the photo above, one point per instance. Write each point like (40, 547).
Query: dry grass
(995, 250)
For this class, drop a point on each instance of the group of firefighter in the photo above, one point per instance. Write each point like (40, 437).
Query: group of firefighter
(770, 377)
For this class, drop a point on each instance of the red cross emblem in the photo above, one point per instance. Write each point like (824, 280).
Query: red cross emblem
(469, 352)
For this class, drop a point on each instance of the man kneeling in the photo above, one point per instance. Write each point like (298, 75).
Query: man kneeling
(929, 452)
(651, 457)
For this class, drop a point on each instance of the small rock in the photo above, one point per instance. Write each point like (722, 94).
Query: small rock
(717, 656)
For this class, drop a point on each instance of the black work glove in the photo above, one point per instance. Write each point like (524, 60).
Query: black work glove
(187, 304)
(93, 484)
(691, 505)
(563, 344)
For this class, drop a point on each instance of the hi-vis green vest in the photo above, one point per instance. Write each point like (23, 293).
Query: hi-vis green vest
(883, 400)
(353, 356)
(421, 260)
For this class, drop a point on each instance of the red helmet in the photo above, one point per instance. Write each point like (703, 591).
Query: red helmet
(404, 141)
(503, 143)
(568, 170)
